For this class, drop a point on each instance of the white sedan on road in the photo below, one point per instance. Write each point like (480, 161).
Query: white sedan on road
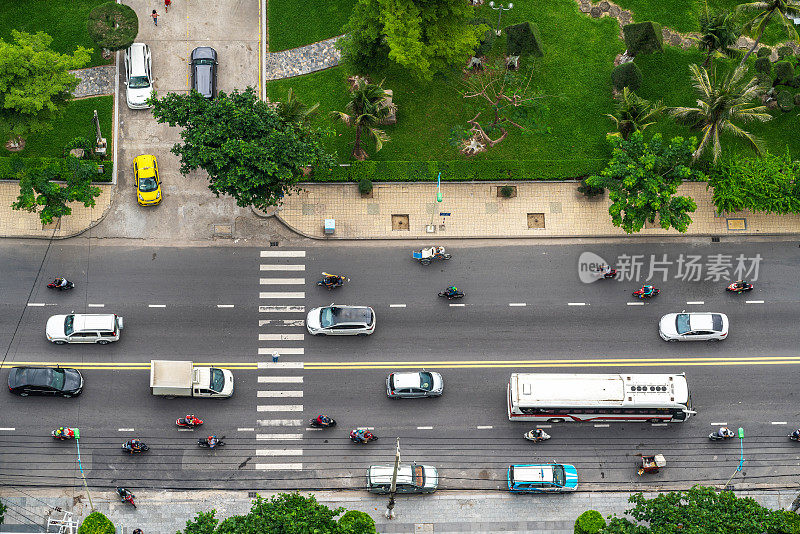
(702, 326)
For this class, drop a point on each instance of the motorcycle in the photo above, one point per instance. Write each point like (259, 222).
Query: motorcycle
(135, 446)
(740, 286)
(612, 273)
(63, 433)
(531, 436)
(316, 424)
(211, 442)
(332, 281)
(190, 421)
(452, 294)
(794, 437)
(56, 284)
(642, 294)
(728, 434)
(427, 255)
(362, 436)
(126, 496)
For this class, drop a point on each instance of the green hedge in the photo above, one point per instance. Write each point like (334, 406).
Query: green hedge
(458, 171)
(9, 166)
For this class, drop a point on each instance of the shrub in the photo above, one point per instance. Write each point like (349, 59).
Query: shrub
(796, 99)
(785, 52)
(784, 72)
(523, 39)
(785, 100)
(589, 522)
(763, 66)
(643, 38)
(112, 26)
(355, 522)
(487, 41)
(589, 191)
(626, 75)
(764, 52)
(96, 523)
(506, 191)
(365, 186)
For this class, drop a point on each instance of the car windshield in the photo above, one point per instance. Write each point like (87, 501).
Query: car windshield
(217, 380)
(147, 185)
(57, 377)
(326, 316)
(682, 323)
(68, 322)
(203, 61)
(559, 478)
(138, 82)
(426, 381)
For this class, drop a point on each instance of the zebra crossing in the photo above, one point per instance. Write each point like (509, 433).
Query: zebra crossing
(279, 394)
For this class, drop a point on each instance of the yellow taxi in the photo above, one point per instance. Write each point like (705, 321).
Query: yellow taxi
(148, 184)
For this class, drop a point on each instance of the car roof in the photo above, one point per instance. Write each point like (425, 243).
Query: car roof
(137, 59)
(351, 314)
(406, 380)
(34, 376)
(93, 321)
(533, 473)
(382, 474)
(204, 52)
(146, 164)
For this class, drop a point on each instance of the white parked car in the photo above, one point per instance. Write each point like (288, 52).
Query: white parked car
(702, 326)
(138, 75)
(337, 320)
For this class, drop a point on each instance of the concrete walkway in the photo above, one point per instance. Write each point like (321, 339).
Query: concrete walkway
(163, 512)
(472, 210)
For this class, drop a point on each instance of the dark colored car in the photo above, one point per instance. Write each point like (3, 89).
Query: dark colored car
(57, 381)
(203, 66)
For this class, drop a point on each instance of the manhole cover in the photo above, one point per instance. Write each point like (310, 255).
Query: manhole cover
(399, 222)
(536, 220)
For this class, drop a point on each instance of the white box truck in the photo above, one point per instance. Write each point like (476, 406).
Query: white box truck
(183, 379)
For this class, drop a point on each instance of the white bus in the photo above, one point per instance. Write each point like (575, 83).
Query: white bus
(556, 398)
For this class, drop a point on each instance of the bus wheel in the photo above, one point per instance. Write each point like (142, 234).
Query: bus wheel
(555, 420)
(655, 420)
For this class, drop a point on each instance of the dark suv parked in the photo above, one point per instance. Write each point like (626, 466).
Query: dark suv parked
(203, 66)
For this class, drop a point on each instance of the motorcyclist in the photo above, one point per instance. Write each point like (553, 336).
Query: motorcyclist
(212, 441)
(451, 291)
(647, 290)
(796, 434)
(361, 435)
(605, 269)
(740, 284)
(135, 444)
(190, 419)
(323, 420)
(538, 434)
(724, 432)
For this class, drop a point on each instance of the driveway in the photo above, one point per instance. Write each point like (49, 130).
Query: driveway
(189, 211)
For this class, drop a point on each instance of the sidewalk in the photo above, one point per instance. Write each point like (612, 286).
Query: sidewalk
(474, 209)
(162, 512)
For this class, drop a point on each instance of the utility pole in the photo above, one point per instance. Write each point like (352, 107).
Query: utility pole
(393, 488)
(80, 466)
(741, 456)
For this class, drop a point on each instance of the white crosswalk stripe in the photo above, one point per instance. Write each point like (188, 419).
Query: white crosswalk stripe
(283, 253)
(279, 281)
(281, 337)
(282, 309)
(280, 379)
(279, 467)
(279, 452)
(280, 422)
(282, 295)
(283, 267)
(279, 394)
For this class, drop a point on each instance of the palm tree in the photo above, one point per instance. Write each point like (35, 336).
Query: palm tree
(367, 109)
(719, 105)
(718, 35)
(765, 10)
(632, 113)
(295, 112)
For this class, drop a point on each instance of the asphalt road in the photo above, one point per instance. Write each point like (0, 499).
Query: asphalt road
(525, 310)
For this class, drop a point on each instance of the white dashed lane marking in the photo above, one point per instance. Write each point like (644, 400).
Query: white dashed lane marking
(7, 429)
(698, 302)
(576, 304)
(719, 424)
(424, 428)
(779, 423)
(125, 429)
(635, 303)
(95, 305)
(246, 429)
(225, 305)
(485, 427)
(156, 305)
(397, 305)
(283, 253)
(754, 302)
(457, 305)
(36, 304)
(517, 304)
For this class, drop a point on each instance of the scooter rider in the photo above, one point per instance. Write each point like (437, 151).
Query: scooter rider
(212, 441)
(451, 291)
(724, 432)
(323, 420)
(796, 434)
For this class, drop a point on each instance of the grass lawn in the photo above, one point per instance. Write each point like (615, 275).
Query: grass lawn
(684, 15)
(64, 21)
(574, 74)
(76, 122)
(293, 24)
(666, 76)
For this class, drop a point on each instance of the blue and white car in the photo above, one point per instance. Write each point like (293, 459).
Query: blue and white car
(542, 478)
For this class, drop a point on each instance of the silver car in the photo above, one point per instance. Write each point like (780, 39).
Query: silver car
(138, 76)
(338, 320)
(703, 326)
(414, 385)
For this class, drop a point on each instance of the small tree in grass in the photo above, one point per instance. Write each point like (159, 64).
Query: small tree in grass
(35, 83)
(112, 26)
(366, 110)
(642, 179)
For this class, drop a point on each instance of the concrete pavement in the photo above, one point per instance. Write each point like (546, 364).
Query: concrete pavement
(165, 512)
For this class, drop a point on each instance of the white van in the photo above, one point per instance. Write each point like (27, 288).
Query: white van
(99, 328)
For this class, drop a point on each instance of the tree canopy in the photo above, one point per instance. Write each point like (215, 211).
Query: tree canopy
(35, 83)
(642, 179)
(286, 513)
(113, 26)
(424, 36)
(39, 192)
(701, 510)
(250, 150)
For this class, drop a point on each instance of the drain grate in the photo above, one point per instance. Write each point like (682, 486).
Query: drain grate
(715, 239)
(273, 243)
(252, 494)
